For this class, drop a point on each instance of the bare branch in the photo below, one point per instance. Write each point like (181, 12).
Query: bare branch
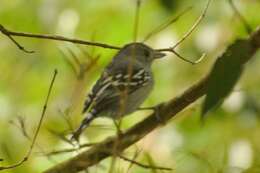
(43, 113)
(166, 111)
(69, 62)
(187, 34)
(136, 154)
(60, 135)
(194, 26)
(166, 24)
(22, 127)
(74, 56)
(150, 160)
(86, 67)
(241, 18)
(6, 151)
(136, 21)
(37, 130)
(143, 165)
(21, 121)
(9, 34)
(186, 60)
(68, 150)
(67, 119)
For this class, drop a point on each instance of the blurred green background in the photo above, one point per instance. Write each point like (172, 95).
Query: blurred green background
(228, 141)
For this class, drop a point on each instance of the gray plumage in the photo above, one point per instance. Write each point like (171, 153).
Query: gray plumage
(123, 86)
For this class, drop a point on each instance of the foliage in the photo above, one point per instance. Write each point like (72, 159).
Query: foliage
(184, 145)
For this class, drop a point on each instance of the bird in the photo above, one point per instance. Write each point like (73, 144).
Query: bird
(123, 86)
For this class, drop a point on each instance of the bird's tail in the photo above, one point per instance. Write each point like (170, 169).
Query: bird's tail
(84, 124)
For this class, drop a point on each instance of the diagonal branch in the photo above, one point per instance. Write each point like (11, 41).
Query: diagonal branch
(166, 111)
(186, 35)
(241, 18)
(143, 165)
(136, 21)
(36, 134)
(166, 24)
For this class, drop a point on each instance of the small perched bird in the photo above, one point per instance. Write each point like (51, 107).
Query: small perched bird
(123, 86)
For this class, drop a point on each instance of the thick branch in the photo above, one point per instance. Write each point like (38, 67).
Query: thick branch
(166, 111)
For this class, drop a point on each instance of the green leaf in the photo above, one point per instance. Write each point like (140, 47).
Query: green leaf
(225, 74)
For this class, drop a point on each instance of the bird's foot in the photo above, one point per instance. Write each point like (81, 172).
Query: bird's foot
(74, 139)
(156, 111)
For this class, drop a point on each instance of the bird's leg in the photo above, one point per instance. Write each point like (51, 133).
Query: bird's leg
(155, 109)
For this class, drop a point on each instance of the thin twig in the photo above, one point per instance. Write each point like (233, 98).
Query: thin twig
(86, 67)
(9, 33)
(136, 22)
(136, 154)
(6, 151)
(143, 165)
(21, 121)
(189, 61)
(74, 56)
(68, 150)
(118, 132)
(194, 26)
(241, 18)
(80, 68)
(112, 164)
(21, 126)
(43, 112)
(84, 52)
(150, 161)
(166, 24)
(61, 136)
(67, 119)
(73, 67)
(37, 130)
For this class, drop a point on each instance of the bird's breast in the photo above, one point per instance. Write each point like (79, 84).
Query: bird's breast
(136, 98)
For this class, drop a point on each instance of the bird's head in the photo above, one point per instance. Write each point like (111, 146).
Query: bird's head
(141, 52)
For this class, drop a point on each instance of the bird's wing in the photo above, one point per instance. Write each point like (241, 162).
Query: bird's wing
(111, 86)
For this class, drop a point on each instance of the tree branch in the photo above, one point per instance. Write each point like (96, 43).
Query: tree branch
(10, 35)
(186, 35)
(37, 129)
(143, 165)
(166, 111)
(241, 18)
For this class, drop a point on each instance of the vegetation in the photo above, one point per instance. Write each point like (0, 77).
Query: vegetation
(203, 137)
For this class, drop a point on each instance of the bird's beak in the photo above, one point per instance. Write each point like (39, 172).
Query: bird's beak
(158, 55)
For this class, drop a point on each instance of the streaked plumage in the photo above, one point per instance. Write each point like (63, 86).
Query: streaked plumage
(123, 86)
